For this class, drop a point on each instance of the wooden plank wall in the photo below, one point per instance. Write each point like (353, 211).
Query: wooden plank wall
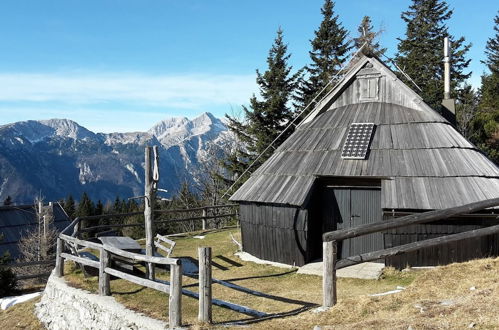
(455, 252)
(388, 90)
(274, 232)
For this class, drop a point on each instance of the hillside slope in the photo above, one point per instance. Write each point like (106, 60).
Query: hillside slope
(58, 157)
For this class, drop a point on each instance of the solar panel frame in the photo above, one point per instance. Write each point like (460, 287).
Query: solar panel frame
(357, 141)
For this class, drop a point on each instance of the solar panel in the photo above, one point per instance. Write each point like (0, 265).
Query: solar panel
(357, 141)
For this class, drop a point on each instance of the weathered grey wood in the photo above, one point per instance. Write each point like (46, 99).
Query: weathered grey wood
(196, 208)
(329, 273)
(198, 218)
(121, 242)
(225, 304)
(77, 241)
(31, 263)
(175, 299)
(204, 219)
(71, 225)
(205, 281)
(148, 211)
(30, 276)
(118, 225)
(59, 261)
(139, 280)
(365, 257)
(80, 260)
(409, 220)
(141, 257)
(104, 278)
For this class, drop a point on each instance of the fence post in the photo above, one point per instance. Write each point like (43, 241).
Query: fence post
(175, 299)
(204, 218)
(329, 273)
(204, 314)
(104, 283)
(59, 261)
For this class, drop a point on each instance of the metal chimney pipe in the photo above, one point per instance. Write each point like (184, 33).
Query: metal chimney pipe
(446, 68)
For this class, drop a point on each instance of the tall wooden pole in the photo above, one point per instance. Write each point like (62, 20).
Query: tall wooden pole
(329, 275)
(148, 210)
(205, 295)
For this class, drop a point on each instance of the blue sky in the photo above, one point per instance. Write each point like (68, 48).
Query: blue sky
(124, 65)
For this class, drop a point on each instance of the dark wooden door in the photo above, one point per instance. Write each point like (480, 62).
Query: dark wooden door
(350, 207)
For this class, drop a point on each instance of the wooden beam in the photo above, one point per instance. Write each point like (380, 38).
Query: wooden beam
(339, 235)
(205, 295)
(30, 276)
(175, 299)
(198, 218)
(30, 263)
(80, 260)
(74, 240)
(141, 257)
(59, 261)
(196, 208)
(104, 278)
(370, 256)
(329, 273)
(148, 211)
(204, 219)
(139, 280)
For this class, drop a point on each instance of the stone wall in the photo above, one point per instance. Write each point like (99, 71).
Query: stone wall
(65, 307)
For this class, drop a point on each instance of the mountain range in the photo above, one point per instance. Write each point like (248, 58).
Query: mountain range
(58, 157)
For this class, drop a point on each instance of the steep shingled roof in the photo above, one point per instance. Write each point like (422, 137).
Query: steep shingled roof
(423, 161)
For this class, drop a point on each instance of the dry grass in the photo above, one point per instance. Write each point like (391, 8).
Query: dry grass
(20, 316)
(438, 298)
(290, 291)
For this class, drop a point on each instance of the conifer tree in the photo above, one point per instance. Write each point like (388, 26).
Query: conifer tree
(99, 208)
(420, 53)
(267, 116)
(330, 49)
(367, 38)
(85, 206)
(490, 82)
(69, 206)
(486, 122)
(7, 278)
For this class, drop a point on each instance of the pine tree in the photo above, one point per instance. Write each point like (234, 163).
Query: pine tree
(267, 117)
(486, 122)
(490, 82)
(99, 208)
(367, 39)
(420, 54)
(69, 206)
(330, 49)
(7, 278)
(466, 109)
(85, 206)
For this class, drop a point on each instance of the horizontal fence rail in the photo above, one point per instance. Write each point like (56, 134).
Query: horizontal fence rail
(331, 239)
(106, 270)
(28, 264)
(339, 235)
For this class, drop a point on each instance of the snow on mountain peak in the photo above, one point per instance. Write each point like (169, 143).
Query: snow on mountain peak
(176, 129)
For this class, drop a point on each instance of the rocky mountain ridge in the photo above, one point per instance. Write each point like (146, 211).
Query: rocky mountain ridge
(58, 157)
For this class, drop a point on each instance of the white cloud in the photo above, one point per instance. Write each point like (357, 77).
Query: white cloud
(177, 91)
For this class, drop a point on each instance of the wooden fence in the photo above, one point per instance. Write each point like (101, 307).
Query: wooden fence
(31, 263)
(331, 239)
(204, 217)
(173, 289)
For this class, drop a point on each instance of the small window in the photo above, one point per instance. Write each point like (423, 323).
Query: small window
(357, 142)
(369, 88)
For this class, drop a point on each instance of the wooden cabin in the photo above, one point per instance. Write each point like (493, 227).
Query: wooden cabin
(370, 150)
